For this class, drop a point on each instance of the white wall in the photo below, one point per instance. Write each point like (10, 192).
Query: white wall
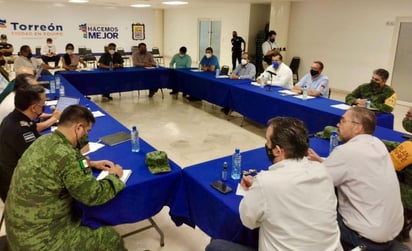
(181, 28)
(351, 37)
(259, 17)
(71, 16)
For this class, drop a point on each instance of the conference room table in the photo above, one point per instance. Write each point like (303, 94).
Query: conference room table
(217, 214)
(100, 81)
(145, 193)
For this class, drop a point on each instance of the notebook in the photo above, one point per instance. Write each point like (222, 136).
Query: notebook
(124, 178)
(65, 101)
(115, 138)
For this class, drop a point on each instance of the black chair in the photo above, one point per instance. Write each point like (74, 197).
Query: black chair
(38, 51)
(224, 70)
(157, 57)
(82, 50)
(294, 66)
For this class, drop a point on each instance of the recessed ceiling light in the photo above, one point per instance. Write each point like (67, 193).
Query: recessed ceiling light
(78, 1)
(175, 3)
(140, 5)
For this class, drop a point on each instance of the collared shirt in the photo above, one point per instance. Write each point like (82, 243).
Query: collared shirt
(181, 62)
(142, 59)
(210, 61)
(368, 189)
(106, 58)
(237, 44)
(283, 77)
(23, 61)
(320, 84)
(294, 206)
(384, 99)
(267, 46)
(46, 49)
(17, 133)
(247, 71)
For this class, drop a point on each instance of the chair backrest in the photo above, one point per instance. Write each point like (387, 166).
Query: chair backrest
(134, 48)
(106, 48)
(224, 70)
(120, 50)
(82, 50)
(38, 50)
(155, 51)
(294, 64)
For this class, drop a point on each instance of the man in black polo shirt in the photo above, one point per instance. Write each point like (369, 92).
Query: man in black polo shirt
(237, 48)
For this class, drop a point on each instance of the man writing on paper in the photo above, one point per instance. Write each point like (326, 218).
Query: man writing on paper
(50, 175)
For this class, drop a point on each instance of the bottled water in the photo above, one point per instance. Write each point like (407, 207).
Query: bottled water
(217, 73)
(262, 81)
(134, 136)
(111, 65)
(57, 84)
(62, 92)
(236, 165)
(52, 86)
(333, 142)
(368, 103)
(224, 171)
(305, 92)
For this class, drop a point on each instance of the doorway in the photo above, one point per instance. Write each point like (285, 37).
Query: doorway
(209, 36)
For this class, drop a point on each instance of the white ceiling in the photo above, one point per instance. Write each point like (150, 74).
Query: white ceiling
(127, 3)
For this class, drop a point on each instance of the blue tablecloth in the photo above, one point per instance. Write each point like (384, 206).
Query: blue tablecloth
(217, 214)
(145, 194)
(101, 81)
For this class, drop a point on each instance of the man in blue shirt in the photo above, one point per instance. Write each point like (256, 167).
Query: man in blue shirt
(209, 61)
(317, 84)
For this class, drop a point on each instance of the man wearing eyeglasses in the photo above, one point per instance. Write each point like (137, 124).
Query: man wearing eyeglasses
(370, 211)
(381, 96)
(18, 131)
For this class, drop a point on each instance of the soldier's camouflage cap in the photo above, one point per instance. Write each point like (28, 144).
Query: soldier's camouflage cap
(157, 162)
(326, 133)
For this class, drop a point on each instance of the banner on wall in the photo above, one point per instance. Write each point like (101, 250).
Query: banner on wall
(30, 30)
(99, 31)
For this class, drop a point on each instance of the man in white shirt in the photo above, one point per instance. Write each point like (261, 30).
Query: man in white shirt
(26, 59)
(370, 211)
(278, 73)
(293, 203)
(49, 53)
(269, 47)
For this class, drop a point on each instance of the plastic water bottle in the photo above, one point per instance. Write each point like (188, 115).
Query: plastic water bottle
(57, 84)
(134, 136)
(368, 103)
(305, 92)
(62, 92)
(333, 142)
(236, 165)
(157, 63)
(111, 65)
(57, 80)
(52, 86)
(262, 81)
(224, 171)
(217, 73)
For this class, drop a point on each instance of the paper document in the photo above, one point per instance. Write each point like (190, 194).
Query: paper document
(240, 191)
(341, 106)
(255, 83)
(51, 102)
(97, 114)
(222, 76)
(150, 67)
(287, 92)
(124, 178)
(300, 96)
(196, 70)
(94, 146)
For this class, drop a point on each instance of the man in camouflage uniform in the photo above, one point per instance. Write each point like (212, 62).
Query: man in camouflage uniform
(50, 175)
(18, 131)
(382, 97)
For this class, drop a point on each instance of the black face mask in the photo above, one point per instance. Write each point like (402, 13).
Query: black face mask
(83, 141)
(272, 40)
(2, 62)
(30, 55)
(313, 73)
(269, 153)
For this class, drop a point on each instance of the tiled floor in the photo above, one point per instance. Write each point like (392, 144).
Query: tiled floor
(190, 132)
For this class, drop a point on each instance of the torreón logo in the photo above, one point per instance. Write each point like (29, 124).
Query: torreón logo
(99, 31)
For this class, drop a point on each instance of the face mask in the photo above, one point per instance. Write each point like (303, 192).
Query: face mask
(143, 51)
(275, 64)
(49, 45)
(269, 153)
(208, 55)
(30, 55)
(407, 125)
(181, 55)
(111, 52)
(272, 40)
(82, 142)
(69, 52)
(2, 62)
(243, 61)
(374, 84)
(314, 73)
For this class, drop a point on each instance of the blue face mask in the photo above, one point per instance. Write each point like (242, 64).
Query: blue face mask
(275, 64)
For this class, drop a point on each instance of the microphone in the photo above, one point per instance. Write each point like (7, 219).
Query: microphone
(272, 73)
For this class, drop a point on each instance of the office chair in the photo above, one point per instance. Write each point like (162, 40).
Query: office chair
(224, 70)
(157, 57)
(125, 57)
(38, 51)
(294, 66)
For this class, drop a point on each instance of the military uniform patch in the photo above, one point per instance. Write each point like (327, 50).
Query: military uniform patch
(391, 101)
(29, 137)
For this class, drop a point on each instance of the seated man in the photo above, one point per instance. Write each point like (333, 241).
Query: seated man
(245, 70)
(18, 131)
(293, 203)
(370, 210)
(180, 60)
(382, 97)
(142, 58)
(26, 59)
(209, 61)
(48, 52)
(10, 86)
(316, 83)
(110, 60)
(6, 48)
(41, 216)
(278, 73)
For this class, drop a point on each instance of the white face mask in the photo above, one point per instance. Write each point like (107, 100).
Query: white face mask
(208, 55)
(243, 61)
(69, 52)
(111, 52)
(4, 41)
